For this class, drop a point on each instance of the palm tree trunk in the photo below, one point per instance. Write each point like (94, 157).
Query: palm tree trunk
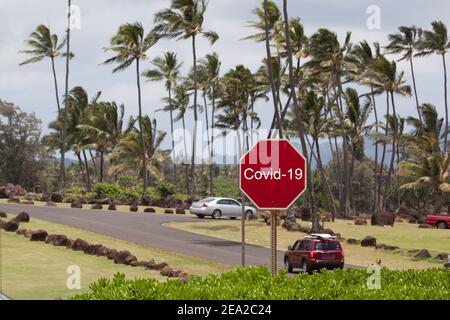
(80, 164)
(380, 200)
(56, 88)
(324, 177)
(94, 165)
(207, 123)
(415, 90)
(394, 140)
(141, 132)
(446, 104)
(211, 165)
(88, 178)
(270, 70)
(375, 172)
(300, 128)
(194, 136)
(172, 138)
(186, 169)
(62, 169)
(102, 163)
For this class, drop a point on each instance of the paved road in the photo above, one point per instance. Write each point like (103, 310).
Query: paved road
(147, 229)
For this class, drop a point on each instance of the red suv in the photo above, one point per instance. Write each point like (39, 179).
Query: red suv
(315, 252)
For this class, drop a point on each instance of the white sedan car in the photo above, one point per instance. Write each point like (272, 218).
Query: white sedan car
(220, 207)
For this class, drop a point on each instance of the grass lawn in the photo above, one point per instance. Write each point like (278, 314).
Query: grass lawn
(35, 270)
(404, 235)
(88, 206)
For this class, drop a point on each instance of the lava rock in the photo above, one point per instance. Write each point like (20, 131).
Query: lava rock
(369, 241)
(80, 245)
(130, 259)
(180, 211)
(138, 263)
(58, 240)
(112, 207)
(442, 256)
(22, 217)
(56, 197)
(156, 266)
(112, 254)
(360, 221)
(422, 254)
(92, 249)
(3, 215)
(11, 226)
(97, 207)
(103, 251)
(121, 256)
(168, 211)
(39, 235)
(149, 210)
(76, 205)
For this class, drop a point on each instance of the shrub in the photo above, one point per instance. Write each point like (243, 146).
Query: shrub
(256, 283)
(75, 192)
(153, 193)
(113, 190)
(165, 188)
(108, 190)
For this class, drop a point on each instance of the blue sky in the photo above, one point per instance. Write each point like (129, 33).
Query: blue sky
(31, 87)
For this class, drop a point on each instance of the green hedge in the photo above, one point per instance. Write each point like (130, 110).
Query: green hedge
(256, 283)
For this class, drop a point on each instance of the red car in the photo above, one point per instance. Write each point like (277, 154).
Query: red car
(438, 221)
(315, 252)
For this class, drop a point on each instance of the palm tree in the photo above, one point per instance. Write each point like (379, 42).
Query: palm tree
(104, 129)
(62, 170)
(427, 166)
(405, 42)
(180, 103)
(184, 20)
(211, 87)
(300, 128)
(383, 76)
(437, 42)
(130, 45)
(168, 69)
(128, 151)
(356, 129)
(361, 56)
(330, 58)
(43, 44)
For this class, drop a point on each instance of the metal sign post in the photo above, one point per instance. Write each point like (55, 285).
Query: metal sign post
(273, 242)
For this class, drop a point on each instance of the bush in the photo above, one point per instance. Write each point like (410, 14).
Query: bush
(113, 190)
(108, 190)
(256, 283)
(153, 193)
(75, 192)
(165, 188)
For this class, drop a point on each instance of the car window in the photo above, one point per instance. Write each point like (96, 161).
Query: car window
(234, 203)
(223, 201)
(303, 245)
(296, 245)
(327, 245)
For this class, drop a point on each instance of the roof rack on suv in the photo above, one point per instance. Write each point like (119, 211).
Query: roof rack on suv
(324, 236)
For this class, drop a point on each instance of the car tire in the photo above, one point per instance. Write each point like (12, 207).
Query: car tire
(287, 265)
(441, 225)
(216, 214)
(305, 268)
(248, 213)
(201, 216)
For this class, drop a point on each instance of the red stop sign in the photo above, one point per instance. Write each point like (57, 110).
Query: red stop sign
(273, 174)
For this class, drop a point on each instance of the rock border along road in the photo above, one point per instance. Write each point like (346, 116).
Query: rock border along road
(148, 229)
